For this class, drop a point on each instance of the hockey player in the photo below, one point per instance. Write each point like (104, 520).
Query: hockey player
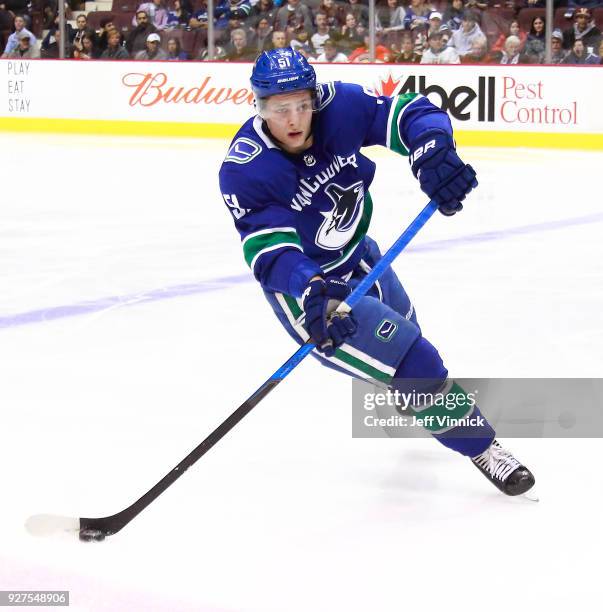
(296, 185)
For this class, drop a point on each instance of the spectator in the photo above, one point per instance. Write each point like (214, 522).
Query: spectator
(114, 50)
(579, 55)
(591, 4)
(351, 36)
(89, 51)
(137, 40)
(331, 54)
(557, 52)
(152, 49)
(279, 40)
(514, 30)
(535, 44)
(50, 45)
(264, 9)
(362, 54)
(81, 28)
(262, 35)
(24, 48)
(13, 39)
(322, 32)
(584, 29)
(435, 22)
(157, 14)
(476, 5)
(231, 14)
(418, 12)
(479, 52)
(511, 54)
(462, 39)
(334, 12)
(407, 53)
(453, 15)
(419, 31)
(300, 41)
(175, 52)
(179, 15)
(199, 17)
(293, 15)
(391, 18)
(238, 50)
(360, 11)
(106, 25)
(437, 53)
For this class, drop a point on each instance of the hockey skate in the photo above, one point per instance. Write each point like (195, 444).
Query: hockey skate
(503, 470)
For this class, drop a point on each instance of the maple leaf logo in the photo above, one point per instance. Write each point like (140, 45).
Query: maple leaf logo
(388, 87)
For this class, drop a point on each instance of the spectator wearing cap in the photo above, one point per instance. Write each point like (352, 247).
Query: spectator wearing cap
(13, 39)
(514, 30)
(322, 33)
(435, 22)
(362, 54)
(580, 55)
(115, 50)
(293, 15)
(390, 18)
(331, 55)
(137, 40)
(438, 53)
(453, 15)
(152, 51)
(24, 48)
(407, 53)
(157, 13)
(583, 29)
(462, 39)
(557, 52)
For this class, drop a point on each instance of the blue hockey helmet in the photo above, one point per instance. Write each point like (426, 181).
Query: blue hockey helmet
(280, 71)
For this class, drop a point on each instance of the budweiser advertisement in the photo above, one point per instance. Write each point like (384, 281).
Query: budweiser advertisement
(488, 98)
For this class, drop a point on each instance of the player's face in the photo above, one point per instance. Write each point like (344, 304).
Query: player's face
(289, 119)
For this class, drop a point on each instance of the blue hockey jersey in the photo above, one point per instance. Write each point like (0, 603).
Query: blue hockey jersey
(307, 214)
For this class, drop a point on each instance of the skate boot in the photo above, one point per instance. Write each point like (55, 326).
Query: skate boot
(503, 470)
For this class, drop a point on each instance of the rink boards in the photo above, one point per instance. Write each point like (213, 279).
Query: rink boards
(530, 106)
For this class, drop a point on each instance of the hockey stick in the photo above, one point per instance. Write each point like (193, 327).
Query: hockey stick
(98, 528)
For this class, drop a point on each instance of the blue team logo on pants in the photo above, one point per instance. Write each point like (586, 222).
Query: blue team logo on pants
(386, 330)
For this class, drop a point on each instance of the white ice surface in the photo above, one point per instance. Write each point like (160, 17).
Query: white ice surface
(288, 513)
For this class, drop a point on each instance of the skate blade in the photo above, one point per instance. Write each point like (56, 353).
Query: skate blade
(531, 495)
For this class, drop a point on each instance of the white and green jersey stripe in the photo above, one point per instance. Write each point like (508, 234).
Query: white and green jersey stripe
(267, 240)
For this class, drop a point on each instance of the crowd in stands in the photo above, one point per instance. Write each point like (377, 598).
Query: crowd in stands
(407, 31)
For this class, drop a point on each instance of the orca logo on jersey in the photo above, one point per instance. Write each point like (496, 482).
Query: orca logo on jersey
(242, 151)
(342, 220)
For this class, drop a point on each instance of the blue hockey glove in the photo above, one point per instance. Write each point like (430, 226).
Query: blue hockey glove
(326, 328)
(442, 174)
